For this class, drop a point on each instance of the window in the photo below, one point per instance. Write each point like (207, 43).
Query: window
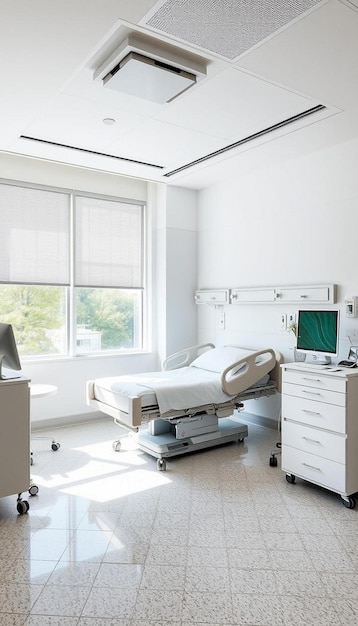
(72, 271)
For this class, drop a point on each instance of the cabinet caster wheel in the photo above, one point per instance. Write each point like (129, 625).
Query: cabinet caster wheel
(273, 461)
(161, 465)
(116, 445)
(348, 502)
(290, 478)
(33, 490)
(55, 446)
(22, 506)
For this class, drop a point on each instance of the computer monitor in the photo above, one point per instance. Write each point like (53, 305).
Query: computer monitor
(317, 334)
(9, 356)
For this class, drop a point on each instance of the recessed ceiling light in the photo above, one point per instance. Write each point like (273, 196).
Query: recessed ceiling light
(109, 121)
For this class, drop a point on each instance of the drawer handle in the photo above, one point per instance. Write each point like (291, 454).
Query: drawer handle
(313, 440)
(312, 467)
(311, 412)
(316, 380)
(311, 393)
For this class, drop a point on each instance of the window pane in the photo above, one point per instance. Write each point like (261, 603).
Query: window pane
(109, 243)
(34, 236)
(38, 317)
(108, 319)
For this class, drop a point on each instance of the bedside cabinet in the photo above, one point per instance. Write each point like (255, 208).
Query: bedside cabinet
(320, 428)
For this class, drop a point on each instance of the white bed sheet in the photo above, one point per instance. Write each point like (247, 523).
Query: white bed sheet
(178, 389)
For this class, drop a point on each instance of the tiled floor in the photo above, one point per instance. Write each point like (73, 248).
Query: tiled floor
(220, 538)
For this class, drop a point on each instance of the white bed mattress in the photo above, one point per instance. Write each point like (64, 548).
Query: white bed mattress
(170, 390)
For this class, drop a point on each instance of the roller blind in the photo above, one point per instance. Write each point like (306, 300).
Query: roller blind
(34, 236)
(109, 243)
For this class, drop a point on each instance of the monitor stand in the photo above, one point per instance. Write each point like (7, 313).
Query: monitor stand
(320, 360)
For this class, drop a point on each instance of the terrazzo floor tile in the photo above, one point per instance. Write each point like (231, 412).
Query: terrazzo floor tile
(309, 612)
(207, 608)
(18, 597)
(257, 610)
(163, 577)
(110, 603)
(163, 604)
(61, 600)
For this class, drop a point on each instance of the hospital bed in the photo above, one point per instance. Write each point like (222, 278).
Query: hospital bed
(185, 406)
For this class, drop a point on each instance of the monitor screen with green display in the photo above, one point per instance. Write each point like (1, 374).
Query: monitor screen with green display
(317, 333)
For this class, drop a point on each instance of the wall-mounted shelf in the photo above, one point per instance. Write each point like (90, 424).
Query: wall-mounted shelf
(212, 296)
(290, 294)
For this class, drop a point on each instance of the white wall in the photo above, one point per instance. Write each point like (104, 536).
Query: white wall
(296, 223)
(172, 279)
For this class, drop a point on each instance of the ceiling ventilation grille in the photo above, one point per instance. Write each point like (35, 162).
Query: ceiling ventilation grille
(228, 28)
(241, 142)
(91, 152)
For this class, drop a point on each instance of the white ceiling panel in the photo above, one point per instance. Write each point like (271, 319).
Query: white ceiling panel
(234, 104)
(78, 122)
(165, 144)
(316, 56)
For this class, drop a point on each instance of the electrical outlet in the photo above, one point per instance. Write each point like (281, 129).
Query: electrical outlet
(283, 322)
(291, 319)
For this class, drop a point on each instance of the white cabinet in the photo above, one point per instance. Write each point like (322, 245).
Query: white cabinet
(320, 428)
(304, 294)
(212, 296)
(15, 439)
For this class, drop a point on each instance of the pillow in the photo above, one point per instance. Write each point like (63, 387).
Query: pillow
(218, 359)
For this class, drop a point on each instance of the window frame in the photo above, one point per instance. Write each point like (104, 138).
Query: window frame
(70, 293)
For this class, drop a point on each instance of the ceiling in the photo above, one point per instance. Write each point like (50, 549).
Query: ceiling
(279, 81)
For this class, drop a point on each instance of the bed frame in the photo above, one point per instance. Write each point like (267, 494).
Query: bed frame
(182, 431)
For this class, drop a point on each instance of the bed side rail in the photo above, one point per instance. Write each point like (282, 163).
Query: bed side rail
(185, 357)
(251, 370)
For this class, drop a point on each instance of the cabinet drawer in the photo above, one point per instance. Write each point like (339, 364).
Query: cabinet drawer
(313, 468)
(318, 414)
(212, 296)
(318, 442)
(314, 393)
(314, 379)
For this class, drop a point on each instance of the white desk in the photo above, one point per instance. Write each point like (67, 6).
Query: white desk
(39, 390)
(15, 439)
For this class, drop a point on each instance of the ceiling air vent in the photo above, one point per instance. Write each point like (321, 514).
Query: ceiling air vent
(148, 69)
(148, 78)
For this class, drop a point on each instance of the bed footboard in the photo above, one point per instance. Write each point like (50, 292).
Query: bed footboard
(128, 414)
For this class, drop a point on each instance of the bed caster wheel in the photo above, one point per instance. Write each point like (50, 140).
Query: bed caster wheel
(55, 446)
(116, 445)
(290, 478)
(348, 502)
(33, 491)
(273, 461)
(22, 506)
(161, 465)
